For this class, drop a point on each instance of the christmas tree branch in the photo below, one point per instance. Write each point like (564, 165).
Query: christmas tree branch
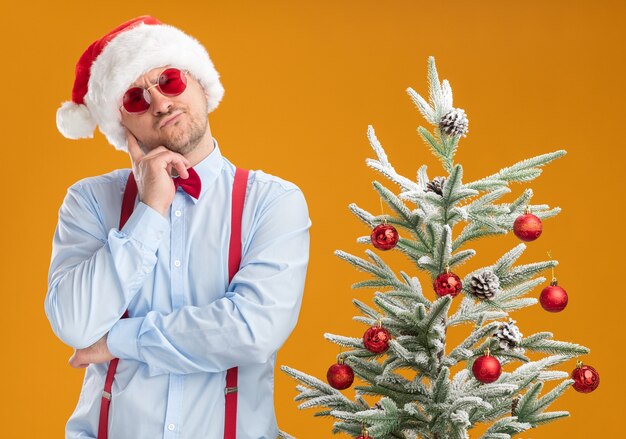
(436, 147)
(484, 204)
(521, 202)
(424, 108)
(525, 170)
(372, 220)
(506, 427)
(463, 351)
(524, 272)
(539, 343)
(453, 190)
(335, 398)
(386, 421)
(440, 104)
(475, 230)
(531, 408)
(397, 205)
(379, 269)
(507, 260)
(383, 166)
(414, 250)
(504, 301)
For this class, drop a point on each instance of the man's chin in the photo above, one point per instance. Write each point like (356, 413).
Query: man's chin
(181, 144)
(181, 137)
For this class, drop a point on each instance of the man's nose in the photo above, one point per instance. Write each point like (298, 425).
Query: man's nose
(161, 104)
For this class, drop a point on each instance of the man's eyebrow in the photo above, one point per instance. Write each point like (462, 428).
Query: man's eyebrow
(150, 81)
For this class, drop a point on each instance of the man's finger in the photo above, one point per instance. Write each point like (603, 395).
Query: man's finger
(135, 152)
(156, 151)
(169, 159)
(74, 361)
(181, 168)
(178, 162)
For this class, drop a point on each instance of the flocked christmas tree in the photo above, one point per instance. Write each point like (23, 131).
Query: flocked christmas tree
(403, 361)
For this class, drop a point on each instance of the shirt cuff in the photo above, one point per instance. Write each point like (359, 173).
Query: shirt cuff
(123, 338)
(147, 226)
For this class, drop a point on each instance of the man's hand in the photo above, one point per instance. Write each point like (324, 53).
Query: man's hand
(152, 173)
(96, 353)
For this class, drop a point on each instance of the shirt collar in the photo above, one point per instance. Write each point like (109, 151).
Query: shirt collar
(208, 169)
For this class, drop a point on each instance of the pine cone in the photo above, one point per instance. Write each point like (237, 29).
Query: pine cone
(454, 123)
(436, 185)
(484, 285)
(509, 335)
(514, 405)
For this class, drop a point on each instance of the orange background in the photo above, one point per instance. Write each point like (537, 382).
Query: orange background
(303, 80)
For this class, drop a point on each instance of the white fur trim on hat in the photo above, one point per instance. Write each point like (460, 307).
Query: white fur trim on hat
(74, 121)
(135, 52)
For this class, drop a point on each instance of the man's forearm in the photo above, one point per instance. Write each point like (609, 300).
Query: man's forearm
(92, 282)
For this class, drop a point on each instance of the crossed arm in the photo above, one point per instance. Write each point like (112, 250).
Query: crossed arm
(95, 274)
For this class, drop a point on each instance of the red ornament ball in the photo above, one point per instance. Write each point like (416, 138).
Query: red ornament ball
(376, 339)
(527, 227)
(553, 298)
(384, 237)
(586, 378)
(340, 376)
(486, 369)
(447, 284)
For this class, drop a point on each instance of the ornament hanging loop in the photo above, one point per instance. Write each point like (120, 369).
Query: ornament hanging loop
(382, 212)
(554, 281)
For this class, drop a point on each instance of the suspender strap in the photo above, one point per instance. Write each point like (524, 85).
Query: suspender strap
(234, 260)
(128, 205)
(239, 194)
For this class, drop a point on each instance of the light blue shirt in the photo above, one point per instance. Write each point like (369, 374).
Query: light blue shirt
(186, 324)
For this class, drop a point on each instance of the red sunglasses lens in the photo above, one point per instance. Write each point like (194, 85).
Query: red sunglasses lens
(136, 100)
(172, 82)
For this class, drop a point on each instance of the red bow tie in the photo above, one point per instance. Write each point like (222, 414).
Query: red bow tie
(191, 185)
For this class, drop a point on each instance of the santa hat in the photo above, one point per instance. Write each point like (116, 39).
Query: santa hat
(112, 63)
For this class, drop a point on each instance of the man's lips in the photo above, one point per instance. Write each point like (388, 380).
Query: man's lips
(170, 119)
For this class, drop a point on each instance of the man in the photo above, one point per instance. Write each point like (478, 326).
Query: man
(152, 289)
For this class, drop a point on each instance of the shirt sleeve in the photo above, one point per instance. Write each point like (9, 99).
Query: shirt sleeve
(250, 323)
(95, 273)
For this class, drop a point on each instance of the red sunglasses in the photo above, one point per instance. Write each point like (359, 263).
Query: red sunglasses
(171, 82)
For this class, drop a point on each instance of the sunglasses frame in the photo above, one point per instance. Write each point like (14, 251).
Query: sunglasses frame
(156, 84)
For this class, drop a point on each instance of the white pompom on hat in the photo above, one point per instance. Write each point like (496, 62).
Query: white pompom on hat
(112, 63)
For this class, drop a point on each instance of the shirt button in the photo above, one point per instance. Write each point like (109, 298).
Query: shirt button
(177, 263)
(147, 270)
(178, 213)
(171, 427)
